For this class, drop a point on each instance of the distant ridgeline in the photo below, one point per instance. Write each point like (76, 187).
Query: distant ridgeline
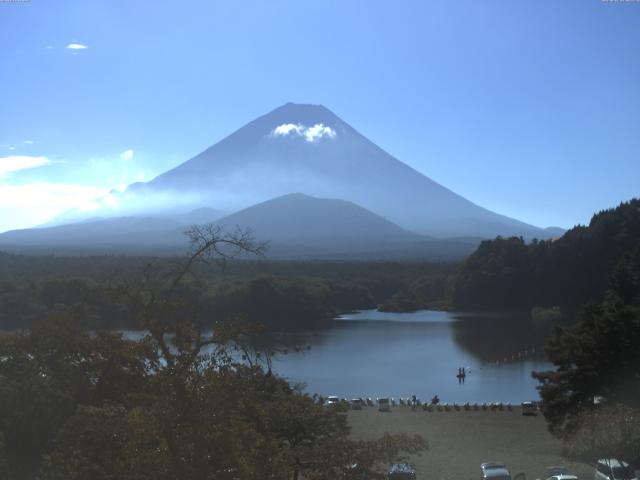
(509, 274)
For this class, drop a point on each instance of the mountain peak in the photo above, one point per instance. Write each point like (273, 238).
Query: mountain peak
(304, 115)
(298, 216)
(304, 109)
(308, 106)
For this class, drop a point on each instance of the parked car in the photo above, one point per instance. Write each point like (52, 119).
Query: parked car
(354, 472)
(488, 465)
(402, 471)
(529, 408)
(332, 400)
(494, 471)
(559, 472)
(556, 470)
(356, 404)
(614, 469)
(384, 405)
(563, 476)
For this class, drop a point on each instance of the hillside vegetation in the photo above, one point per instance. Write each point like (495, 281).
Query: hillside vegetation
(277, 295)
(510, 274)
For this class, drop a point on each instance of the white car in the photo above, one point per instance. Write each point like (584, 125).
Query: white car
(614, 469)
(332, 400)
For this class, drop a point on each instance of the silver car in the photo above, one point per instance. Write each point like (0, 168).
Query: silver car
(402, 471)
(494, 471)
(614, 469)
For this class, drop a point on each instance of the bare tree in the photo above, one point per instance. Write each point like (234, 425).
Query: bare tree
(163, 313)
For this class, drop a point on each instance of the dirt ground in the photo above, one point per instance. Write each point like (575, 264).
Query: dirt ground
(459, 441)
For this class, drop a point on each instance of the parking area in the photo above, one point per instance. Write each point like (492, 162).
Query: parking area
(459, 441)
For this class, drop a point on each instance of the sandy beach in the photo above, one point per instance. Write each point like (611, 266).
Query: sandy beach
(459, 441)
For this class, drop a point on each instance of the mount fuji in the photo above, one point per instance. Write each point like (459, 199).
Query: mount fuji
(308, 149)
(299, 176)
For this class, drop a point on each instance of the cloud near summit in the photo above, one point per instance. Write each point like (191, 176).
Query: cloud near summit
(310, 134)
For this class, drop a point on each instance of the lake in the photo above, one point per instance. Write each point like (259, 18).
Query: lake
(371, 354)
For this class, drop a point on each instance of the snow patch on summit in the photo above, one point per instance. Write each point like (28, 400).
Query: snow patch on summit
(310, 134)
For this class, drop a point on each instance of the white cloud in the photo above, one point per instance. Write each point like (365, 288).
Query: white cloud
(28, 142)
(76, 46)
(310, 134)
(287, 128)
(127, 155)
(49, 47)
(15, 163)
(23, 206)
(318, 131)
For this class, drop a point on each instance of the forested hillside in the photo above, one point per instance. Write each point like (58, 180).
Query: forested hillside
(278, 295)
(510, 274)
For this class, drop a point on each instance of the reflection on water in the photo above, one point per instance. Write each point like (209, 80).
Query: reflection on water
(373, 353)
(500, 337)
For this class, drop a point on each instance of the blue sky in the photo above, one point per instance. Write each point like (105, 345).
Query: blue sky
(528, 108)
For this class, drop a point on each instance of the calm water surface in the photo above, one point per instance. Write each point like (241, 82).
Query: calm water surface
(372, 353)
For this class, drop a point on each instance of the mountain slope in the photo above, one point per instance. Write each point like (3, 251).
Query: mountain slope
(107, 234)
(308, 149)
(97, 233)
(578, 267)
